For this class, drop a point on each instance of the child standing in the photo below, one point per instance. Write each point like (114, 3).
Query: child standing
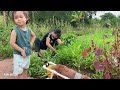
(21, 40)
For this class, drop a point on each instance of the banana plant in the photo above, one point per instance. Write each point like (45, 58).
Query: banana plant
(77, 17)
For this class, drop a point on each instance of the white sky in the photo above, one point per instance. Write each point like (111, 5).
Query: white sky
(99, 13)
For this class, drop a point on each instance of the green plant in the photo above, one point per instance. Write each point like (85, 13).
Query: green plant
(36, 67)
(98, 75)
(68, 38)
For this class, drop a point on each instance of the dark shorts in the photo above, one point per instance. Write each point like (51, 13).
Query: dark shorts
(39, 45)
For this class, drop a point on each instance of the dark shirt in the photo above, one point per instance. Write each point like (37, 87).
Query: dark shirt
(52, 41)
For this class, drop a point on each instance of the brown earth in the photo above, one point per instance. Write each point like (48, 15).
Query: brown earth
(6, 69)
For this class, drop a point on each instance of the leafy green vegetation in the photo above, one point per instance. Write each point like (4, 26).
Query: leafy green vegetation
(77, 52)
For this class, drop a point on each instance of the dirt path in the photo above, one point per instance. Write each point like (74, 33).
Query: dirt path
(6, 69)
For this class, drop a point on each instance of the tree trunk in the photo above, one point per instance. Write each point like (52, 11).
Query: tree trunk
(33, 18)
(4, 19)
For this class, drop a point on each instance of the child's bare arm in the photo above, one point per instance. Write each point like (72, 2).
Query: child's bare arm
(33, 38)
(14, 45)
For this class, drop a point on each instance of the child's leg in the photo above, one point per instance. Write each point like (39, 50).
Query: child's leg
(25, 74)
(19, 76)
(25, 71)
(17, 69)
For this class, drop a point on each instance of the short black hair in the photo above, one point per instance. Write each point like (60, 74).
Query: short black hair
(58, 32)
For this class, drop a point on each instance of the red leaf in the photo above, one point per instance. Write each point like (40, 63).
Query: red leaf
(108, 64)
(118, 64)
(84, 54)
(88, 50)
(98, 51)
(99, 65)
(107, 75)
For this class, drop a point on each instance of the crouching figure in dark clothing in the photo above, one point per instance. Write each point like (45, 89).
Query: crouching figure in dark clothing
(49, 40)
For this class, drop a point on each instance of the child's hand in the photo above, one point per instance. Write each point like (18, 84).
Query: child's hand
(23, 54)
